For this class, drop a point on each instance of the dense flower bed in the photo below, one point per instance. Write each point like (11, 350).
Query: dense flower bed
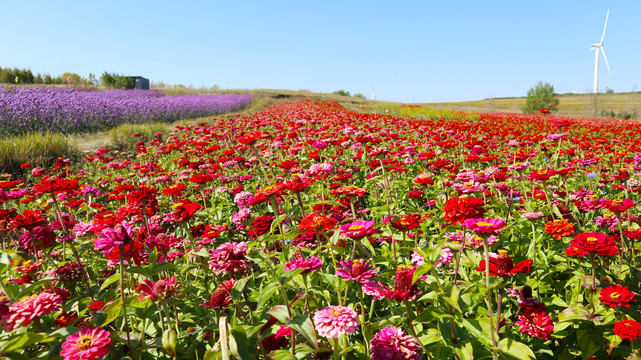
(68, 110)
(311, 231)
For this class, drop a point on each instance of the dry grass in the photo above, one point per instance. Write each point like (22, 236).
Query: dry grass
(37, 149)
(577, 105)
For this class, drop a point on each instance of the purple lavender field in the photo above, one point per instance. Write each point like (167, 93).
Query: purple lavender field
(68, 110)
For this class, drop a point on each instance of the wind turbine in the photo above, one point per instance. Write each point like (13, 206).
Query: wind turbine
(597, 47)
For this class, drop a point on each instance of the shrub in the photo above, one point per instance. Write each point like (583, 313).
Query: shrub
(539, 97)
(341, 92)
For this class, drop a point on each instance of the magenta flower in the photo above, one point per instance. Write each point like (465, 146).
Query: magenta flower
(393, 343)
(113, 238)
(22, 312)
(357, 270)
(88, 343)
(309, 265)
(358, 229)
(484, 226)
(163, 289)
(229, 258)
(334, 321)
(536, 323)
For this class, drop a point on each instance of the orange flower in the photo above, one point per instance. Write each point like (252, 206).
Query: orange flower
(559, 228)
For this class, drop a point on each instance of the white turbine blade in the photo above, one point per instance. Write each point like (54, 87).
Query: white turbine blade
(592, 48)
(606, 59)
(606, 25)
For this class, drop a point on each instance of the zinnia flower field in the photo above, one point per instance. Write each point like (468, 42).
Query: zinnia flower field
(69, 110)
(310, 231)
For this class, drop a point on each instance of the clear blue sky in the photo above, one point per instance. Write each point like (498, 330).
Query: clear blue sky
(409, 51)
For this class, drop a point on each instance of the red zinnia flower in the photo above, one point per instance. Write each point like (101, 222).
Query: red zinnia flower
(184, 210)
(460, 209)
(617, 295)
(260, 226)
(542, 175)
(250, 138)
(28, 220)
(174, 190)
(618, 205)
(628, 329)
(314, 223)
(503, 265)
(592, 243)
(221, 296)
(536, 323)
(407, 222)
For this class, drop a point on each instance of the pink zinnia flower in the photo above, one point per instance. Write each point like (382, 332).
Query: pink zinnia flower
(532, 215)
(310, 265)
(357, 270)
(373, 289)
(536, 323)
(392, 343)
(324, 168)
(163, 289)
(230, 258)
(484, 226)
(22, 312)
(89, 343)
(113, 238)
(358, 229)
(446, 258)
(334, 321)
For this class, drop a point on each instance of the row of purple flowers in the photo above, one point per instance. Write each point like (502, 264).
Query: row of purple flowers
(68, 110)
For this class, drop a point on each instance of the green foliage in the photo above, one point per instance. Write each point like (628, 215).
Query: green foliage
(37, 149)
(542, 96)
(117, 81)
(359, 96)
(341, 92)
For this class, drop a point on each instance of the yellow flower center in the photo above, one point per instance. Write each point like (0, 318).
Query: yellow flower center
(356, 227)
(591, 239)
(177, 205)
(469, 184)
(618, 201)
(84, 343)
(615, 295)
(483, 223)
(502, 252)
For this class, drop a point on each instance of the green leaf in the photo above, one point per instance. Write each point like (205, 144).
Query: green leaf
(237, 290)
(515, 349)
(303, 324)
(266, 293)
(289, 274)
(590, 341)
(420, 271)
(35, 286)
(110, 311)
(479, 329)
(279, 312)
(110, 280)
(282, 355)
(22, 341)
(240, 346)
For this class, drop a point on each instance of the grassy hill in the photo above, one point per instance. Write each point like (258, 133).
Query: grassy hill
(580, 105)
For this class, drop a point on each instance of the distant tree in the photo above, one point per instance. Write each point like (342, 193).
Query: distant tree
(342, 92)
(359, 96)
(609, 91)
(541, 96)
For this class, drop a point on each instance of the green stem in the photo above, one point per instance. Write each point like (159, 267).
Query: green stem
(122, 298)
(488, 298)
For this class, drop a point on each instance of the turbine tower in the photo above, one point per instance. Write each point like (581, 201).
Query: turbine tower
(597, 47)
